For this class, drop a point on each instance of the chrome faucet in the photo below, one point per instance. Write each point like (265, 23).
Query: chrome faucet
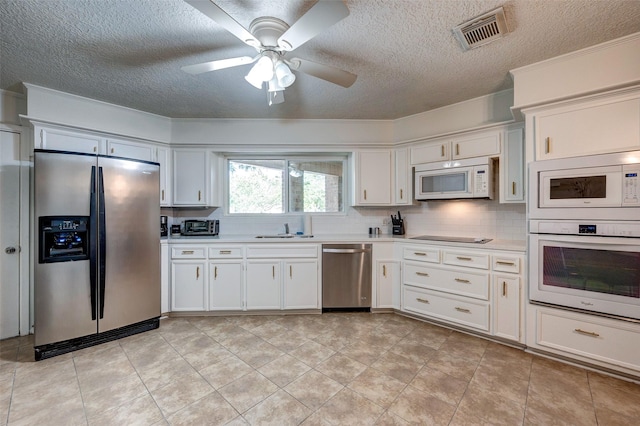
(286, 228)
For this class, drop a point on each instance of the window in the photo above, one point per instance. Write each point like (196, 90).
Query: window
(272, 186)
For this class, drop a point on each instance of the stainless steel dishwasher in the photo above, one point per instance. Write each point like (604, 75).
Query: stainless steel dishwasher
(346, 277)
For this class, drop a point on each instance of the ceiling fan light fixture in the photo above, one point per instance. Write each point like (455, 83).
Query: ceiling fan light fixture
(254, 79)
(284, 75)
(274, 85)
(275, 97)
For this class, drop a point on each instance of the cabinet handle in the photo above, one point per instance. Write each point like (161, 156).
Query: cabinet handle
(187, 251)
(225, 251)
(457, 149)
(199, 195)
(163, 195)
(586, 333)
(365, 194)
(463, 258)
(422, 300)
(462, 280)
(513, 188)
(504, 288)
(198, 273)
(95, 149)
(418, 253)
(503, 262)
(466, 311)
(547, 145)
(401, 194)
(422, 274)
(112, 150)
(384, 271)
(273, 272)
(215, 273)
(442, 150)
(290, 271)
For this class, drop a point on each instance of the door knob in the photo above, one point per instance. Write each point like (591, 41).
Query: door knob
(10, 250)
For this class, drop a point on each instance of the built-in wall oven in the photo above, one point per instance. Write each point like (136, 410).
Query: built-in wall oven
(584, 234)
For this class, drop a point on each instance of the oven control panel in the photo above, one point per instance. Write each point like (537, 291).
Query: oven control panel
(587, 228)
(631, 185)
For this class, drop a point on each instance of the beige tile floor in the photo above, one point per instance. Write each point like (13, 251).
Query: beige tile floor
(333, 369)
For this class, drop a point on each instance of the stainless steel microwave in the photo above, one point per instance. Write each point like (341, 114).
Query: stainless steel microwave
(469, 178)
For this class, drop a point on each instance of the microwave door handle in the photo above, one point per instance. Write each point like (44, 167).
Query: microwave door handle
(93, 252)
(102, 235)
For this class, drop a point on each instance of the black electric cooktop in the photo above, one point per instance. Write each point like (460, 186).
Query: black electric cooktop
(452, 239)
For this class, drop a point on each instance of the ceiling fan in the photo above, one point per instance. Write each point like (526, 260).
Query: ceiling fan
(273, 39)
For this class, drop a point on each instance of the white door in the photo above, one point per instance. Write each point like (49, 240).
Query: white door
(9, 234)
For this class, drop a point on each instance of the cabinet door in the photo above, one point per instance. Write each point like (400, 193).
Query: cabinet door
(506, 310)
(373, 178)
(263, 285)
(476, 146)
(430, 152)
(513, 170)
(301, 284)
(188, 286)
(403, 188)
(164, 159)
(134, 150)
(225, 286)
(588, 129)
(388, 285)
(190, 177)
(165, 292)
(64, 140)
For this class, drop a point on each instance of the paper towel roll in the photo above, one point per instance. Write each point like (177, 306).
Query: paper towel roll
(307, 225)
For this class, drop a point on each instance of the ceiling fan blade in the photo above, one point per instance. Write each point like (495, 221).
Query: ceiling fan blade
(321, 16)
(221, 17)
(325, 72)
(218, 65)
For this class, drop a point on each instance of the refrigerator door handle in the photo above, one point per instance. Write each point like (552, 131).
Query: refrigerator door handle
(93, 235)
(102, 238)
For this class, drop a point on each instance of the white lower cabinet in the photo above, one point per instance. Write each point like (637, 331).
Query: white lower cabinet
(300, 284)
(263, 284)
(189, 289)
(165, 288)
(507, 321)
(387, 279)
(225, 285)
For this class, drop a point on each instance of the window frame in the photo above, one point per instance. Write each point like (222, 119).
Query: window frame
(342, 157)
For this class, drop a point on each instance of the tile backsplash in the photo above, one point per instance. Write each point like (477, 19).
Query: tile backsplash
(460, 218)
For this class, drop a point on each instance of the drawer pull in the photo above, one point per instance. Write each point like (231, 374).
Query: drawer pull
(225, 252)
(422, 300)
(290, 271)
(273, 271)
(163, 195)
(418, 253)
(95, 149)
(199, 195)
(462, 280)
(463, 258)
(198, 273)
(187, 251)
(547, 143)
(112, 150)
(401, 196)
(441, 150)
(365, 194)
(513, 188)
(466, 311)
(457, 149)
(586, 333)
(504, 262)
(504, 288)
(384, 271)
(215, 273)
(422, 274)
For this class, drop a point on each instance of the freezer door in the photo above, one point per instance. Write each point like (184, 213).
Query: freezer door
(130, 253)
(62, 299)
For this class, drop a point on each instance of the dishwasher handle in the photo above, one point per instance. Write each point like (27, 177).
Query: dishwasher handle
(347, 251)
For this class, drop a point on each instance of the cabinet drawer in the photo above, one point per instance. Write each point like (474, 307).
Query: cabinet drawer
(506, 264)
(470, 284)
(611, 341)
(188, 253)
(225, 253)
(463, 311)
(285, 250)
(471, 260)
(421, 254)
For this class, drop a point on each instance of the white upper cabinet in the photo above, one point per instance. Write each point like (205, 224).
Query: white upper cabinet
(512, 167)
(192, 177)
(68, 140)
(373, 178)
(129, 149)
(473, 144)
(585, 128)
(403, 188)
(164, 159)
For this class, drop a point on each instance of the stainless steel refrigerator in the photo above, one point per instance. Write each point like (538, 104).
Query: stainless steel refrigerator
(97, 272)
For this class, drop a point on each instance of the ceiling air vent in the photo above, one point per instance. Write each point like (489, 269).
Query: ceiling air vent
(482, 30)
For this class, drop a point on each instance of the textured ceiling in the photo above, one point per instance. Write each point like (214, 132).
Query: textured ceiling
(129, 52)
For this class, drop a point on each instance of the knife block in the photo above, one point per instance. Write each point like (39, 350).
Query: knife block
(398, 227)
